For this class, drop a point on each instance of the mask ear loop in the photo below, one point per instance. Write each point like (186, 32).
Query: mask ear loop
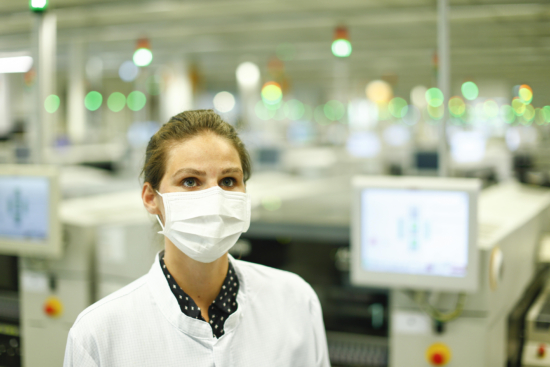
(158, 218)
(160, 222)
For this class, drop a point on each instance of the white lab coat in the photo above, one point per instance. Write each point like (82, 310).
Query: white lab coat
(278, 323)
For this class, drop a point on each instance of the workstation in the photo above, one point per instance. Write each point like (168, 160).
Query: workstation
(404, 180)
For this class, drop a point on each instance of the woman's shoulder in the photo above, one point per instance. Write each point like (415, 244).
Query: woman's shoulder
(258, 276)
(110, 325)
(114, 307)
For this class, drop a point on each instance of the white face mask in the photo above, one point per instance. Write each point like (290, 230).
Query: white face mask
(205, 224)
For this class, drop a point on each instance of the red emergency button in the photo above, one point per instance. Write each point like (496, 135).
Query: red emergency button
(437, 359)
(53, 307)
(438, 354)
(541, 351)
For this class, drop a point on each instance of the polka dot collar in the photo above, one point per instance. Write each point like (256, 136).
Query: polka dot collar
(223, 305)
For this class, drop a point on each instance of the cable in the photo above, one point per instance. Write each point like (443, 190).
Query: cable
(420, 299)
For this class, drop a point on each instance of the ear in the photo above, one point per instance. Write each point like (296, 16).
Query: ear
(151, 200)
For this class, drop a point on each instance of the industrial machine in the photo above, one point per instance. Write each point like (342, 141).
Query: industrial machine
(107, 244)
(29, 226)
(71, 253)
(537, 332)
(448, 310)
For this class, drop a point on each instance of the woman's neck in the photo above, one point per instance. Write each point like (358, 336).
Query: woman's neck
(202, 282)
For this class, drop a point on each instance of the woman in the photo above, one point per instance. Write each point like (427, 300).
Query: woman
(198, 306)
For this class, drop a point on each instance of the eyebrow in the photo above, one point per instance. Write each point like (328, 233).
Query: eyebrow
(232, 170)
(195, 172)
(191, 171)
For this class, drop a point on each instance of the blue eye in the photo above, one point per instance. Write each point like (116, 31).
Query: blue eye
(228, 182)
(189, 182)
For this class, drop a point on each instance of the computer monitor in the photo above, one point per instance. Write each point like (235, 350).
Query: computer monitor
(415, 233)
(29, 211)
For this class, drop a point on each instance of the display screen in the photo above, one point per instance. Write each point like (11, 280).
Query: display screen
(24, 208)
(414, 231)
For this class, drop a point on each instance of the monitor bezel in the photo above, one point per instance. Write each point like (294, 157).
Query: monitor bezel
(52, 246)
(362, 277)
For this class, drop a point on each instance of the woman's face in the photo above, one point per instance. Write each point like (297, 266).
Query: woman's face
(202, 162)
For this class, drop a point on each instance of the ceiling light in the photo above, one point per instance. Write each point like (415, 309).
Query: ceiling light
(341, 46)
(38, 5)
(19, 64)
(248, 74)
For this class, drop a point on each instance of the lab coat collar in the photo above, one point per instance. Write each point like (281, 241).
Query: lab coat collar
(169, 307)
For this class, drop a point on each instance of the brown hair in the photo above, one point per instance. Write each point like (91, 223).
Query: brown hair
(184, 126)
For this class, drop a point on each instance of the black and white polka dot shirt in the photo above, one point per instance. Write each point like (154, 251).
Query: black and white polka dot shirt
(223, 306)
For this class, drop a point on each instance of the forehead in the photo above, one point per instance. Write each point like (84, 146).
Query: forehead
(204, 151)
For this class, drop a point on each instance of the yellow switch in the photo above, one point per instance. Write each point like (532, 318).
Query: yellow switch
(53, 307)
(438, 354)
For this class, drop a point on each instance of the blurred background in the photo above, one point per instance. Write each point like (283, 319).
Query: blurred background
(319, 91)
(347, 82)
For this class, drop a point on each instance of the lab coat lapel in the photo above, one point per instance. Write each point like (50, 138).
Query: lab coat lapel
(234, 319)
(169, 307)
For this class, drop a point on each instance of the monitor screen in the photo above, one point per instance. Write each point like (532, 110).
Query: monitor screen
(268, 156)
(29, 211)
(426, 160)
(24, 207)
(415, 231)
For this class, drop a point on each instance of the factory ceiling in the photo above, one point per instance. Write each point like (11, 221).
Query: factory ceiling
(489, 39)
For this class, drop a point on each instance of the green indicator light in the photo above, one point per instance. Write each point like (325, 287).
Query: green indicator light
(490, 109)
(143, 57)
(518, 106)
(434, 97)
(51, 103)
(272, 93)
(457, 107)
(470, 91)
(136, 100)
(294, 109)
(529, 113)
(539, 116)
(116, 102)
(525, 94)
(93, 100)
(334, 110)
(507, 113)
(398, 107)
(341, 48)
(436, 113)
(546, 112)
(38, 5)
